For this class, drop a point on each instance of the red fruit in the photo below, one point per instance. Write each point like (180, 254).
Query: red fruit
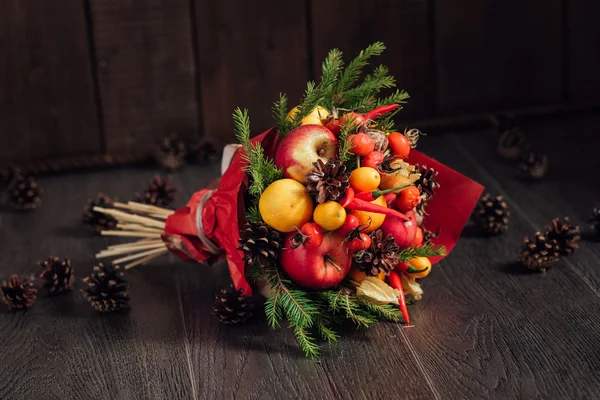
(360, 243)
(313, 235)
(389, 199)
(319, 268)
(353, 118)
(373, 159)
(349, 225)
(403, 232)
(399, 144)
(334, 126)
(407, 199)
(361, 144)
(418, 237)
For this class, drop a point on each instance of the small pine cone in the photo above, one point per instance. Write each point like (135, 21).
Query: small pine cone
(327, 181)
(380, 139)
(492, 214)
(98, 221)
(171, 152)
(58, 275)
(534, 165)
(539, 253)
(511, 144)
(595, 221)
(427, 182)
(230, 307)
(18, 294)
(24, 192)
(381, 256)
(566, 235)
(106, 289)
(203, 153)
(160, 192)
(260, 244)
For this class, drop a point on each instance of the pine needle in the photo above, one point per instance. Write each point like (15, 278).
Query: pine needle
(280, 111)
(307, 343)
(354, 69)
(427, 250)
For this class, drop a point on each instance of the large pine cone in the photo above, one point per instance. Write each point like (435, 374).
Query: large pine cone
(230, 307)
(106, 289)
(260, 244)
(566, 235)
(327, 181)
(492, 214)
(381, 256)
(539, 253)
(19, 295)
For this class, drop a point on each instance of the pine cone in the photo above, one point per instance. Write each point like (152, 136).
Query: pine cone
(535, 165)
(203, 153)
(106, 289)
(171, 152)
(426, 182)
(595, 221)
(58, 275)
(327, 181)
(160, 192)
(511, 144)
(230, 307)
(380, 138)
(429, 235)
(24, 192)
(97, 221)
(566, 235)
(260, 243)
(18, 294)
(539, 253)
(381, 256)
(492, 214)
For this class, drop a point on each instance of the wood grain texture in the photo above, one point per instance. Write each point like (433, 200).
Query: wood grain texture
(47, 103)
(146, 72)
(248, 53)
(497, 54)
(583, 51)
(404, 27)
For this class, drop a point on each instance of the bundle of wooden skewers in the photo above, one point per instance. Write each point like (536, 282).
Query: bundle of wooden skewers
(135, 220)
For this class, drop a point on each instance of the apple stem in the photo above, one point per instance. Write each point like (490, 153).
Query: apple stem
(328, 258)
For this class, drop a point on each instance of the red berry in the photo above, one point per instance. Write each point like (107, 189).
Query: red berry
(407, 199)
(313, 235)
(353, 118)
(418, 237)
(334, 126)
(373, 159)
(360, 243)
(350, 224)
(399, 144)
(361, 144)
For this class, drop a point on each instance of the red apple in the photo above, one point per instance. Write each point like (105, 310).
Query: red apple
(319, 268)
(302, 147)
(403, 232)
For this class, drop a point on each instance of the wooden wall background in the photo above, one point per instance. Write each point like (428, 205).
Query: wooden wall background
(87, 77)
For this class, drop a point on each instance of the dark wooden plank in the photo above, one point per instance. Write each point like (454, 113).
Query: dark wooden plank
(47, 103)
(249, 52)
(583, 51)
(497, 54)
(62, 348)
(255, 361)
(404, 26)
(485, 329)
(146, 71)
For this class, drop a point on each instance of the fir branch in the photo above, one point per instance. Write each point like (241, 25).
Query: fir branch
(343, 301)
(363, 94)
(346, 129)
(398, 97)
(427, 250)
(253, 214)
(254, 272)
(389, 312)
(280, 111)
(330, 71)
(354, 69)
(241, 122)
(307, 343)
(325, 332)
(274, 310)
(299, 310)
(312, 97)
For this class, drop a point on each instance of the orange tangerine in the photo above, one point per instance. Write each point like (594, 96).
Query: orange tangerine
(371, 220)
(364, 179)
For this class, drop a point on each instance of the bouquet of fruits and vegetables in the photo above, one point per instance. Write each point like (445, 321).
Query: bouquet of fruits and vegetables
(332, 214)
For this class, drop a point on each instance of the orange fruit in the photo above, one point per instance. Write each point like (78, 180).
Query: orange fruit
(330, 215)
(358, 276)
(285, 204)
(371, 220)
(420, 264)
(364, 179)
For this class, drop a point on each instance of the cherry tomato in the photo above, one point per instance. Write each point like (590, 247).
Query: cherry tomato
(407, 199)
(418, 237)
(373, 159)
(334, 126)
(353, 118)
(360, 243)
(399, 144)
(313, 235)
(350, 224)
(361, 144)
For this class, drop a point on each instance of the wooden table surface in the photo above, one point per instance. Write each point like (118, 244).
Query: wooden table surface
(484, 329)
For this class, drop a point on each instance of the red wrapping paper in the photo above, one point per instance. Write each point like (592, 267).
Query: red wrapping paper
(224, 213)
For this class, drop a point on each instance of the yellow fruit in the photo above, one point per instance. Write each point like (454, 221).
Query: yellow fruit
(330, 215)
(364, 179)
(285, 204)
(371, 220)
(358, 276)
(421, 264)
(314, 118)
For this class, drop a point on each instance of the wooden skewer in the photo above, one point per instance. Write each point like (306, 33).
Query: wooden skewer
(139, 255)
(150, 208)
(159, 216)
(122, 216)
(116, 252)
(131, 234)
(136, 227)
(135, 243)
(144, 260)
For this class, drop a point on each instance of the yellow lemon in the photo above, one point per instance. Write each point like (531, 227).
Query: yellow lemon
(330, 215)
(316, 116)
(285, 204)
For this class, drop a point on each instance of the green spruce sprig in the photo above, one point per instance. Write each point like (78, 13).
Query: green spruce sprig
(280, 111)
(347, 127)
(363, 96)
(353, 71)
(261, 169)
(426, 250)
